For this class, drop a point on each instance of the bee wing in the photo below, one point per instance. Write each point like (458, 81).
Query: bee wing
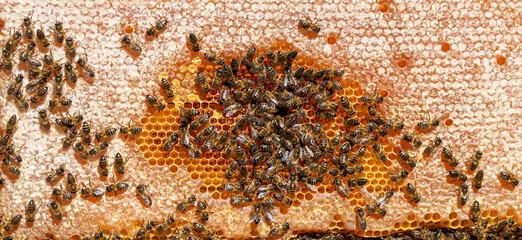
(311, 187)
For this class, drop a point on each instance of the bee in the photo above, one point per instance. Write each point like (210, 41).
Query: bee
(332, 146)
(70, 47)
(8, 61)
(56, 209)
(102, 163)
(449, 157)
(38, 95)
(59, 32)
(98, 148)
(62, 195)
(379, 152)
(412, 192)
(232, 169)
(128, 42)
(71, 186)
(15, 86)
(3, 143)
(202, 82)
(119, 164)
(12, 154)
(70, 73)
(79, 147)
(116, 186)
(409, 160)
(232, 109)
(432, 145)
(105, 133)
(13, 41)
(458, 175)
(395, 125)
(30, 211)
(11, 166)
(59, 102)
(211, 57)
(83, 63)
(376, 209)
(172, 139)
(200, 121)
(475, 212)
(13, 223)
(166, 224)
(183, 205)
(69, 121)
(143, 194)
(154, 102)
(44, 41)
(376, 98)
(463, 194)
(309, 26)
(333, 73)
(193, 41)
(202, 229)
(25, 55)
(49, 61)
(509, 178)
(428, 122)
(91, 191)
(69, 139)
(160, 25)
(203, 210)
(232, 187)
(475, 160)
(401, 175)
(279, 230)
(410, 138)
(28, 27)
(187, 112)
(207, 132)
(477, 180)
(55, 174)
(166, 86)
(11, 125)
(343, 190)
(361, 218)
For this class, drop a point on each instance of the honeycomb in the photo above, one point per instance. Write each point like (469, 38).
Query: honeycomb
(458, 61)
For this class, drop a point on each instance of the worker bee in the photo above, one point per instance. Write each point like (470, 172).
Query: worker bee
(475, 212)
(361, 218)
(401, 175)
(55, 174)
(463, 194)
(428, 122)
(59, 102)
(475, 160)
(83, 63)
(193, 41)
(59, 32)
(309, 26)
(449, 157)
(333, 73)
(116, 186)
(200, 121)
(79, 147)
(202, 229)
(44, 41)
(8, 61)
(25, 55)
(128, 42)
(211, 57)
(409, 160)
(143, 194)
(12, 154)
(69, 121)
(28, 27)
(49, 62)
(166, 86)
(154, 102)
(105, 133)
(91, 191)
(343, 190)
(3, 143)
(166, 224)
(172, 139)
(509, 178)
(412, 192)
(416, 142)
(432, 145)
(56, 209)
(11, 125)
(132, 130)
(207, 132)
(376, 98)
(13, 41)
(278, 229)
(379, 152)
(30, 211)
(15, 86)
(477, 180)
(458, 175)
(232, 169)
(11, 166)
(38, 95)
(119, 164)
(98, 148)
(70, 47)
(395, 125)
(187, 112)
(232, 187)
(69, 139)
(58, 84)
(62, 195)
(376, 209)
(183, 205)
(202, 82)
(70, 73)
(12, 223)
(160, 25)
(102, 164)
(203, 210)
(71, 184)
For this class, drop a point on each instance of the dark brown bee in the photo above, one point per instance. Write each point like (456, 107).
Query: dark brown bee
(202, 82)
(86, 133)
(463, 192)
(57, 210)
(198, 122)
(59, 102)
(44, 41)
(166, 224)
(132, 130)
(187, 112)
(376, 209)
(30, 211)
(12, 42)
(432, 145)
(376, 98)
(38, 95)
(416, 142)
(28, 27)
(13, 223)
(477, 180)
(15, 86)
(69, 121)
(102, 164)
(361, 218)
(62, 195)
(232, 169)
(55, 174)
(428, 122)
(49, 62)
(11, 125)
(128, 42)
(509, 178)
(458, 175)
(202, 229)
(232, 187)
(167, 87)
(401, 175)
(207, 132)
(79, 148)
(309, 26)
(70, 73)
(379, 152)
(412, 192)
(193, 41)
(116, 187)
(203, 210)
(12, 154)
(58, 84)
(475, 160)
(449, 157)
(11, 166)
(211, 57)
(154, 102)
(409, 160)
(234, 65)
(172, 139)
(8, 61)
(278, 229)
(71, 186)
(333, 73)
(119, 164)
(343, 190)
(91, 191)
(143, 194)
(345, 102)
(105, 133)
(395, 125)
(26, 54)
(70, 47)
(59, 32)
(183, 205)
(98, 148)
(84, 65)
(70, 138)
(160, 25)
(475, 212)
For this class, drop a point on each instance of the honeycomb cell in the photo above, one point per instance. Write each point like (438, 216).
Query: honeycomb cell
(445, 47)
(309, 196)
(173, 169)
(405, 225)
(428, 216)
(501, 60)
(414, 224)
(448, 122)
(384, 7)
(452, 216)
(147, 154)
(194, 176)
(152, 161)
(411, 217)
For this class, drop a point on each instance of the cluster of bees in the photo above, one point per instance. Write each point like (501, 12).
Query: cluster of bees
(128, 42)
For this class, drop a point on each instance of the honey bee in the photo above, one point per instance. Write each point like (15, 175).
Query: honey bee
(428, 122)
(202, 82)
(11, 166)
(410, 138)
(167, 87)
(202, 229)
(15, 86)
(361, 218)
(59, 32)
(309, 26)
(376, 209)
(475, 160)
(62, 195)
(58, 214)
(119, 164)
(200, 121)
(25, 55)
(166, 224)
(432, 145)
(278, 229)
(395, 125)
(343, 190)
(187, 112)
(143, 194)
(211, 57)
(203, 210)
(69, 121)
(83, 63)
(55, 174)
(69, 139)
(70, 73)
(160, 25)
(79, 148)
(116, 187)
(30, 211)
(13, 41)
(98, 148)
(232, 187)
(376, 98)
(49, 62)
(409, 160)
(71, 186)
(12, 223)
(401, 175)
(3, 143)
(172, 139)
(102, 164)
(379, 152)
(193, 41)
(232, 109)
(91, 191)
(333, 73)
(477, 180)
(105, 133)
(463, 194)
(154, 102)
(59, 102)
(70, 47)
(38, 95)
(412, 192)
(44, 41)
(8, 61)
(11, 125)
(12, 154)
(475, 212)
(207, 132)
(458, 175)
(232, 169)
(129, 43)
(509, 178)
(183, 205)
(449, 157)
(28, 27)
